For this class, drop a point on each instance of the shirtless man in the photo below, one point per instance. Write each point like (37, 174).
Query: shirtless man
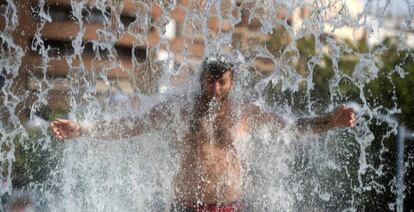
(210, 177)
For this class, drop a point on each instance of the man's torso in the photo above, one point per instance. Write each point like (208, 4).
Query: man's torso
(211, 170)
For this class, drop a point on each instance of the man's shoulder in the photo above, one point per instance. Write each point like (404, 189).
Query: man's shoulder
(178, 100)
(248, 106)
(175, 103)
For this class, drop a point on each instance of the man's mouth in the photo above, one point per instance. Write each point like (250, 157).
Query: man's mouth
(215, 102)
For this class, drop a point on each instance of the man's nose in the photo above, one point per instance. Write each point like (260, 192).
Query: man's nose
(217, 87)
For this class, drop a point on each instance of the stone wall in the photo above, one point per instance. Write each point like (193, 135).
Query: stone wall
(138, 35)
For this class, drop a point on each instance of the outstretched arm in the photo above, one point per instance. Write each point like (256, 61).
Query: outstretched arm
(119, 128)
(341, 118)
(114, 129)
(258, 116)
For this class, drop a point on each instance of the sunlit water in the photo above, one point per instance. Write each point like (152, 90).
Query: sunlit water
(283, 170)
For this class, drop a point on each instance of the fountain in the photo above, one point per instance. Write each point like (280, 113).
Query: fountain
(96, 60)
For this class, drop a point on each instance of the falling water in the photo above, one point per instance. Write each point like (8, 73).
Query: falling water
(343, 169)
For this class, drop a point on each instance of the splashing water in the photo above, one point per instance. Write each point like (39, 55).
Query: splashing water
(97, 60)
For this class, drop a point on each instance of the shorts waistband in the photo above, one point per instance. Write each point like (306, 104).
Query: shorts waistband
(207, 207)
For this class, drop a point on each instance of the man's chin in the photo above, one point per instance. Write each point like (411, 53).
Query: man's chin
(217, 99)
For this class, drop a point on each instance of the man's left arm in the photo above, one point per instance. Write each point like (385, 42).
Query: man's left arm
(341, 118)
(259, 116)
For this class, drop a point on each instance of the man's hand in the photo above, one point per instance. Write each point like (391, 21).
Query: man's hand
(343, 117)
(65, 129)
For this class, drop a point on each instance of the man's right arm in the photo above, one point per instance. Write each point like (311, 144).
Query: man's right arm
(114, 129)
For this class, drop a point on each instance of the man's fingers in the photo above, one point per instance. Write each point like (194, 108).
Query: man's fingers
(343, 110)
(54, 124)
(63, 121)
(55, 128)
(58, 127)
(60, 133)
(352, 121)
(55, 131)
(345, 116)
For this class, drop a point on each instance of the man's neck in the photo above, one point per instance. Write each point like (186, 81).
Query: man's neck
(205, 105)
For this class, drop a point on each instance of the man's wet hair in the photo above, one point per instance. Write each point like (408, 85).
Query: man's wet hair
(217, 64)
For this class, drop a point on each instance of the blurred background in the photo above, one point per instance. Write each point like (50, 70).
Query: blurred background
(59, 55)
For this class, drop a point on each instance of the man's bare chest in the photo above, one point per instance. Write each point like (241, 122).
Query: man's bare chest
(215, 128)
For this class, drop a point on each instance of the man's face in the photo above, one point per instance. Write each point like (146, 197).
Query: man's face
(217, 87)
